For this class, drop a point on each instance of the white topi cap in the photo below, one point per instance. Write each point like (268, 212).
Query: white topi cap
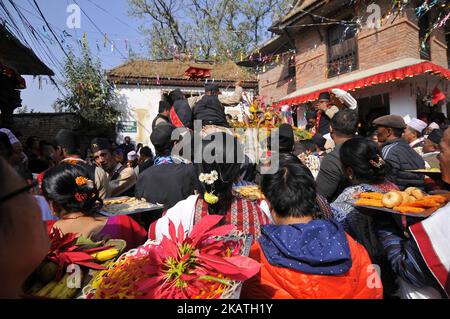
(434, 126)
(417, 125)
(12, 138)
(132, 156)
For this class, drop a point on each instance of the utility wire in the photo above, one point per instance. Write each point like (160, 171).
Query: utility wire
(53, 33)
(98, 29)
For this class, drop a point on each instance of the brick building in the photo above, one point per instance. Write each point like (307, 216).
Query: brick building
(388, 68)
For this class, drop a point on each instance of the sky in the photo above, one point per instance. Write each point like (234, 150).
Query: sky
(110, 17)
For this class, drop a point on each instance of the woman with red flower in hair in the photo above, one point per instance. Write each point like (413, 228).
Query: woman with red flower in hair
(74, 198)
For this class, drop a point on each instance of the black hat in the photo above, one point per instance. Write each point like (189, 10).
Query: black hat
(324, 96)
(211, 88)
(319, 140)
(435, 136)
(161, 136)
(163, 106)
(286, 137)
(99, 144)
(176, 95)
(67, 139)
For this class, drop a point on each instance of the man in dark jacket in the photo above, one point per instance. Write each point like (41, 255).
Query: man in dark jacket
(331, 180)
(165, 182)
(163, 114)
(209, 110)
(398, 153)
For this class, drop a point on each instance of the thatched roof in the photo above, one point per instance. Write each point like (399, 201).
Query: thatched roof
(15, 55)
(174, 69)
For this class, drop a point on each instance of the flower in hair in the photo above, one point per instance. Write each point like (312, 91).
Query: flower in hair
(377, 164)
(80, 197)
(210, 178)
(81, 180)
(210, 198)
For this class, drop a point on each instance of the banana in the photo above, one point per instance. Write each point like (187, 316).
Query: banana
(47, 289)
(56, 292)
(69, 293)
(106, 254)
(35, 288)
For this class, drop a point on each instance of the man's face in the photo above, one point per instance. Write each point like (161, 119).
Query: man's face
(17, 155)
(105, 159)
(322, 104)
(429, 146)
(382, 134)
(409, 135)
(25, 232)
(444, 156)
(58, 155)
(127, 140)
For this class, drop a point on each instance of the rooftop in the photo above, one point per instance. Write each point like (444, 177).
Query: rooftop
(15, 55)
(175, 69)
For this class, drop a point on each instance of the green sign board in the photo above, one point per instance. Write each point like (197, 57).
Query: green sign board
(127, 127)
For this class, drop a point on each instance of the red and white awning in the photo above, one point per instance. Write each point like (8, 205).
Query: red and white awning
(395, 71)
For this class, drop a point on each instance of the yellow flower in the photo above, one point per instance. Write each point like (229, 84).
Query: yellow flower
(81, 180)
(211, 198)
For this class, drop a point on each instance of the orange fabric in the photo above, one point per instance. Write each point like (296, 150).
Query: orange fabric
(274, 282)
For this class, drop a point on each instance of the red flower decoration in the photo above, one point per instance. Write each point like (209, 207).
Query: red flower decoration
(80, 197)
(199, 265)
(64, 251)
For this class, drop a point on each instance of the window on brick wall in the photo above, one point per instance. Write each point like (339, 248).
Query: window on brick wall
(342, 50)
(424, 27)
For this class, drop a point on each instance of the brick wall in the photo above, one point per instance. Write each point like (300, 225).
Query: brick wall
(275, 83)
(43, 125)
(398, 38)
(439, 48)
(311, 59)
(393, 42)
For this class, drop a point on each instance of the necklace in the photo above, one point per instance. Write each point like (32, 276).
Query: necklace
(64, 218)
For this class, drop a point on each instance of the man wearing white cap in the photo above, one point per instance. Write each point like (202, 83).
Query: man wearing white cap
(413, 134)
(433, 126)
(18, 156)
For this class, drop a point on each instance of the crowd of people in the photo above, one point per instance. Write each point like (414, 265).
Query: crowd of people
(306, 233)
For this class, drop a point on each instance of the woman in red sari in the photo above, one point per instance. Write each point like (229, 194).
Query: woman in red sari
(76, 202)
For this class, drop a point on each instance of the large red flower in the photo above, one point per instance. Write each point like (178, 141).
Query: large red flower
(202, 264)
(195, 265)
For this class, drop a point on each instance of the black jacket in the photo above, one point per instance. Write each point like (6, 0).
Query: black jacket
(166, 184)
(401, 157)
(331, 180)
(159, 119)
(184, 112)
(210, 111)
